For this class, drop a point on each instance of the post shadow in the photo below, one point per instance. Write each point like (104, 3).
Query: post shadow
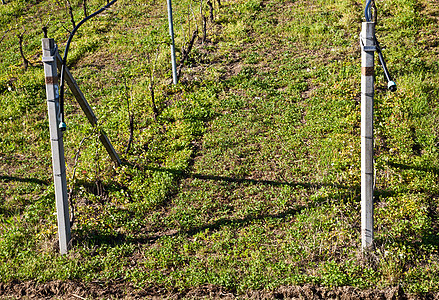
(99, 238)
(7, 178)
(185, 174)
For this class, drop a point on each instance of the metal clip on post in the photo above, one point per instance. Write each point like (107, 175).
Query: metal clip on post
(391, 85)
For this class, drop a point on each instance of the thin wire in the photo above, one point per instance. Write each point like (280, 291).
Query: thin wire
(66, 51)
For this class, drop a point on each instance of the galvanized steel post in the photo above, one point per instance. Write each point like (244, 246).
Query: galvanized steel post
(171, 32)
(56, 139)
(368, 48)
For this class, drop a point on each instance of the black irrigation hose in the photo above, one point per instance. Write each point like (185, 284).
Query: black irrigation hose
(391, 85)
(62, 125)
(367, 12)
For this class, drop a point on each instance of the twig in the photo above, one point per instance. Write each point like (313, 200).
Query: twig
(70, 9)
(210, 10)
(184, 32)
(68, 30)
(193, 16)
(188, 21)
(204, 29)
(98, 182)
(79, 297)
(152, 83)
(26, 62)
(131, 118)
(201, 8)
(4, 35)
(84, 5)
(44, 32)
(185, 53)
(73, 180)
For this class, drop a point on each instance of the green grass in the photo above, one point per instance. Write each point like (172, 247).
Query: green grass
(249, 177)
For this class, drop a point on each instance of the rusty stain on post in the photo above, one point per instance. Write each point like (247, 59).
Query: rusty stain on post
(367, 71)
(52, 80)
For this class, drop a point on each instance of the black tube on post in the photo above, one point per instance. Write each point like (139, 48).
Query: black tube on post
(62, 124)
(391, 85)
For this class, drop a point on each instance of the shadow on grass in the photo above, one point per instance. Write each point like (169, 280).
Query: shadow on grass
(425, 243)
(97, 238)
(406, 167)
(246, 220)
(28, 180)
(383, 194)
(185, 174)
(429, 238)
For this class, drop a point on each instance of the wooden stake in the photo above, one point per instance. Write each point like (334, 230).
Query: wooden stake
(56, 138)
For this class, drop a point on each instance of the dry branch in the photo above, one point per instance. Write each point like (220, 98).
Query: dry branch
(70, 9)
(26, 62)
(84, 6)
(131, 118)
(210, 10)
(185, 53)
(4, 35)
(152, 83)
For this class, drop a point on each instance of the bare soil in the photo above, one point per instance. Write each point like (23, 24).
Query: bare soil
(124, 290)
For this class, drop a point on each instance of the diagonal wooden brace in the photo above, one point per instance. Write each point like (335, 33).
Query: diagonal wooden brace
(71, 82)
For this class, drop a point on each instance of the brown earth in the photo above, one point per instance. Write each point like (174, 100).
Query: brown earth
(123, 290)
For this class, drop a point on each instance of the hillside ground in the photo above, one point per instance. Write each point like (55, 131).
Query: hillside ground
(241, 181)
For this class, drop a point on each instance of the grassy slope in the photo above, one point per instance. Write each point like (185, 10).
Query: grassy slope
(249, 177)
